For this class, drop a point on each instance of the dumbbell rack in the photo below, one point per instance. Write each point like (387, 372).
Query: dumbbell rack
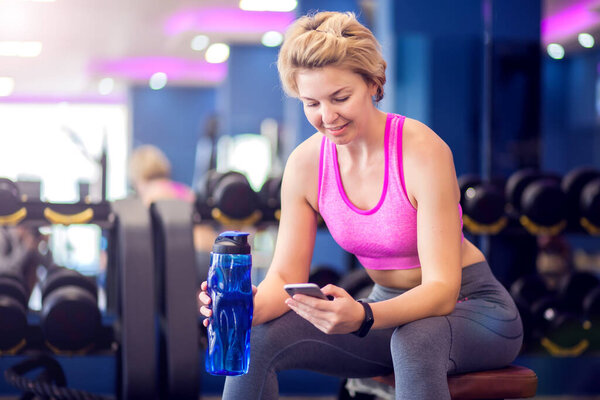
(131, 352)
(571, 369)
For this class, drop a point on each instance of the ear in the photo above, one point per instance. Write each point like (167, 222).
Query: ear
(372, 88)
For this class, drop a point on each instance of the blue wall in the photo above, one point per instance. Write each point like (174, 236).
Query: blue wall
(173, 119)
(438, 71)
(571, 130)
(251, 92)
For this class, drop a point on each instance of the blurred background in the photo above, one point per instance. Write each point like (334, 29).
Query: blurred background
(512, 86)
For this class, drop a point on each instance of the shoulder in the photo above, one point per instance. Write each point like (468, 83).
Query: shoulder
(301, 175)
(428, 161)
(420, 145)
(305, 157)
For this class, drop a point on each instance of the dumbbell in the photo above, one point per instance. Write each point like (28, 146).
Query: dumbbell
(70, 317)
(482, 204)
(582, 188)
(270, 199)
(13, 313)
(537, 201)
(11, 210)
(535, 303)
(227, 198)
(566, 332)
(591, 309)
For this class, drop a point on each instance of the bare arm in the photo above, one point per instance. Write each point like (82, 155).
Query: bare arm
(434, 186)
(295, 238)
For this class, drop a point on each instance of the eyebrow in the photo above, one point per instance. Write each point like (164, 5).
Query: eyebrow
(331, 95)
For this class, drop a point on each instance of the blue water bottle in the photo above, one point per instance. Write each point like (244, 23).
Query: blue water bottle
(230, 289)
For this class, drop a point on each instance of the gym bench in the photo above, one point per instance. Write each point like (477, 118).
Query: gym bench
(512, 382)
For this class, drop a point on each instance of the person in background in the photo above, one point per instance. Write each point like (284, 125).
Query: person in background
(386, 187)
(150, 176)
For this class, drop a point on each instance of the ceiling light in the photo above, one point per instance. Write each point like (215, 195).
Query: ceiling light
(268, 5)
(106, 86)
(200, 42)
(158, 81)
(586, 40)
(272, 39)
(556, 51)
(7, 85)
(217, 53)
(20, 49)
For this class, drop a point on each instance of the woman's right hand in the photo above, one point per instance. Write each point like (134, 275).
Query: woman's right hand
(204, 302)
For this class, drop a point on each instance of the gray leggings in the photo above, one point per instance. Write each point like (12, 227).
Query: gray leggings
(484, 331)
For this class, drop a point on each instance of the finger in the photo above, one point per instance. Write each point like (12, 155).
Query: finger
(205, 323)
(335, 291)
(204, 285)
(204, 298)
(207, 312)
(313, 302)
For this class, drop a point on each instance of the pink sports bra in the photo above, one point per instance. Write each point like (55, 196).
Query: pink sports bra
(384, 237)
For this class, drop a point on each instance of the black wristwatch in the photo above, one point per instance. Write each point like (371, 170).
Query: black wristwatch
(367, 322)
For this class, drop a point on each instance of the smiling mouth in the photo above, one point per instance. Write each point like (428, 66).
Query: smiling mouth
(337, 128)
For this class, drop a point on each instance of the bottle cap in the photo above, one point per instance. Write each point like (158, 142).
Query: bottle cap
(232, 242)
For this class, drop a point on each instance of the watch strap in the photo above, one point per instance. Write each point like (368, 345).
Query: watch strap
(367, 321)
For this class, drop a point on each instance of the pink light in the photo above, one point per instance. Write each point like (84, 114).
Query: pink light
(227, 20)
(568, 22)
(177, 69)
(55, 99)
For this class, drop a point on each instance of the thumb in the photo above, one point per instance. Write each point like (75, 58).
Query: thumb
(335, 291)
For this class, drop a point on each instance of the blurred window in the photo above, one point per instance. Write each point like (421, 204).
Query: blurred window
(58, 143)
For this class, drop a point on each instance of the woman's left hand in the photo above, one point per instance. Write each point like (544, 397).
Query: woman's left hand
(343, 314)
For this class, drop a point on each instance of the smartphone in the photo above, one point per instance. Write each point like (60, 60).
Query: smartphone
(309, 289)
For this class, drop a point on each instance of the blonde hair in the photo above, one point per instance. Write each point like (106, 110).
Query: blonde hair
(330, 39)
(147, 162)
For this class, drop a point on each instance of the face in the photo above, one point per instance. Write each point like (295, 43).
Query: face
(336, 101)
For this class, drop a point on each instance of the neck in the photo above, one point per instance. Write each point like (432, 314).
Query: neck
(370, 141)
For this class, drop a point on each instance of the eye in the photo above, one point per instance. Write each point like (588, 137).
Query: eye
(311, 104)
(342, 99)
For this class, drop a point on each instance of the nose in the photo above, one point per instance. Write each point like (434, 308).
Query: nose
(328, 114)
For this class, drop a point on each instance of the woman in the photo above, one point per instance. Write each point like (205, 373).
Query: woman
(387, 189)
(150, 176)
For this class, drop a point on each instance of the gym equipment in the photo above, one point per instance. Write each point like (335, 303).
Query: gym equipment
(51, 380)
(70, 318)
(537, 201)
(512, 382)
(323, 275)
(357, 283)
(556, 321)
(270, 199)
(482, 204)
(131, 285)
(13, 313)
(573, 184)
(574, 291)
(128, 330)
(227, 198)
(11, 211)
(30, 189)
(590, 207)
(533, 300)
(591, 310)
(176, 293)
